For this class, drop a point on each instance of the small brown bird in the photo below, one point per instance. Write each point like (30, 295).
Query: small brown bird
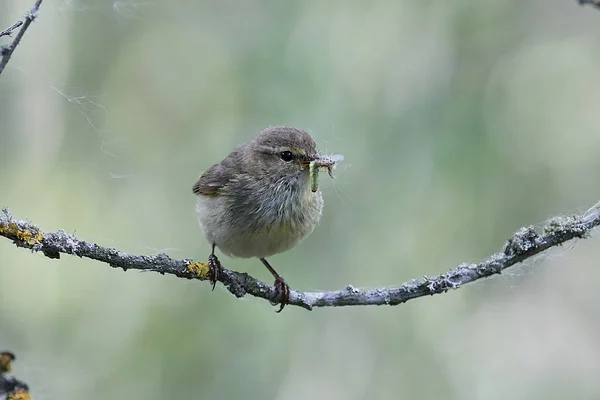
(258, 201)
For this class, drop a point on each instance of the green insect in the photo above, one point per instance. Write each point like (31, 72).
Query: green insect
(314, 175)
(326, 162)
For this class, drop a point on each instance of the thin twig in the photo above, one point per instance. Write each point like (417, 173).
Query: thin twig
(524, 244)
(595, 3)
(8, 51)
(8, 31)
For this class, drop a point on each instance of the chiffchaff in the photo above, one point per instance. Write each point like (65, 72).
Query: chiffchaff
(258, 201)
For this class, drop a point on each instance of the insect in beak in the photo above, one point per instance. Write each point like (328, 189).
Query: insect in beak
(328, 162)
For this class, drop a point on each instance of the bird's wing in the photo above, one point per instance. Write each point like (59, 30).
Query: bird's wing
(211, 181)
(214, 179)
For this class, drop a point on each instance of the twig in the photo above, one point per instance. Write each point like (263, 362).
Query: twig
(524, 244)
(8, 31)
(595, 3)
(7, 51)
(9, 386)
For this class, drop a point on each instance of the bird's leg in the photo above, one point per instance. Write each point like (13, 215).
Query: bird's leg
(214, 267)
(281, 287)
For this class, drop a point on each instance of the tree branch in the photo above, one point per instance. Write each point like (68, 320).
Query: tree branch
(524, 244)
(595, 3)
(11, 387)
(8, 31)
(7, 51)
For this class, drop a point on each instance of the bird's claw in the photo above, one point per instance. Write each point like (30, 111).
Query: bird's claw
(214, 269)
(282, 289)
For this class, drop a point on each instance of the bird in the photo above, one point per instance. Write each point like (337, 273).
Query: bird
(258, 202)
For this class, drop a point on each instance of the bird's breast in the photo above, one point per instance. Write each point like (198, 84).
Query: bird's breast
(267, 220)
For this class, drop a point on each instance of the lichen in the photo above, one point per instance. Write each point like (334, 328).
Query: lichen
(523, 241)
(20, 394)
(30, 237)
(199, 269)
(6, 360)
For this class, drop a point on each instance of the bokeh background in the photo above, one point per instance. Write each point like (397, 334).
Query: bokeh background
(460, 122)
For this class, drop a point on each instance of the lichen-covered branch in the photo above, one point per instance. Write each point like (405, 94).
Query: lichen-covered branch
(11, 388)
(7, 51)
(524, 244)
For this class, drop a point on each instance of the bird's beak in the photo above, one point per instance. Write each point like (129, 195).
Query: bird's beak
(308, 159)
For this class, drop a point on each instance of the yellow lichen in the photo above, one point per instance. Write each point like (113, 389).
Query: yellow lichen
(199, 269)
(27, 236)
(6, 359)
(20, 394)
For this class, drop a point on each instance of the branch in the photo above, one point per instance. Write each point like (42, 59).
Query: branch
(11, 387)
(524, 244)
(595, 3)
(8, 31)
(7, 51)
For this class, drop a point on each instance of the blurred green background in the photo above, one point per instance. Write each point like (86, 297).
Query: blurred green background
(460, 122)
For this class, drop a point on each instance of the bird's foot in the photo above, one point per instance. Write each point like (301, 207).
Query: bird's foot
(283, 290)
(214, 271)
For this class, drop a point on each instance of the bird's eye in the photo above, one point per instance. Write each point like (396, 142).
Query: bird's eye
(286, 156)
